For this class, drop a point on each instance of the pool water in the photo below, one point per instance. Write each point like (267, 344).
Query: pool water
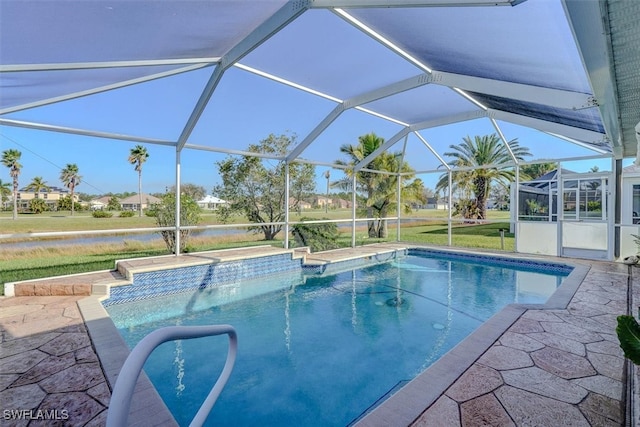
(324, 350)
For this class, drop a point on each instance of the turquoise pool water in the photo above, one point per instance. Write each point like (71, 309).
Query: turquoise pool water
(323, 350)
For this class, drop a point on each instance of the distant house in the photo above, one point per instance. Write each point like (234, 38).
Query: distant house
(322, 201)
(51, 197)
(211, 202)
(433, 203)
(97, 205)
(132, 203)
(301, 204)
(342, 204)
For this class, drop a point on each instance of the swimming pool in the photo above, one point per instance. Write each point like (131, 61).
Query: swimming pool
(322, 350)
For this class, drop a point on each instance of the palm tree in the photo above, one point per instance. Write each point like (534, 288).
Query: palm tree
(37, 184)
(483, 151)
(138, 156)
(531, 172)
(11, 159)
(379, 189)
(5, 192)
(70, 178)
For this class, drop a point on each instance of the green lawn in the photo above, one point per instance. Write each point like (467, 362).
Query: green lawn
(83, 221)
(32, 263)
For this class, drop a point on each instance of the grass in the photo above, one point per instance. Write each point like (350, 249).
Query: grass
(39, 262)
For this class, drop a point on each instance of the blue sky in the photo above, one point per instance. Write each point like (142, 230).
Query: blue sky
(244, 109)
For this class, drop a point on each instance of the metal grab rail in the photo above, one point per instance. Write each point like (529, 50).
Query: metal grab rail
(123, 390)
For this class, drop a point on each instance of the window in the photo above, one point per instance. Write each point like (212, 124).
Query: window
(584, 199)
(635, 216)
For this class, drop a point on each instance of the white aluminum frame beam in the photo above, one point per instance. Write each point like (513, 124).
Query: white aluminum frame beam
(384, 147)
(234, 152)
(410, 3)
(505, 142)
(356, 102)
(448, 120)
(585, 135)
(579, 143)
(430, 148)
(84, 132)
(540, 95)
(101, 89)
(106, 64)
(287, 13)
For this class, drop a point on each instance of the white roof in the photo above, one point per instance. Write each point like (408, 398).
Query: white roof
(211, 199)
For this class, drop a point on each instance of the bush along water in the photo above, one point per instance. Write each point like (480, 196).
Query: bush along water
(165, 214)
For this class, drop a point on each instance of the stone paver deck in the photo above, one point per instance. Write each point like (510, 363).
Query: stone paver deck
(527, 366)
(47, 364)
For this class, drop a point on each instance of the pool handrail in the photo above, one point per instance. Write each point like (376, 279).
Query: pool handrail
(123, 390)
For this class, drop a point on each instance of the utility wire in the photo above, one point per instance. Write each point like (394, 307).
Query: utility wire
(47, 160)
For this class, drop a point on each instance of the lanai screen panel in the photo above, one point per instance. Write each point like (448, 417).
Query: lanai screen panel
(530, 43)
(27, 87)
(426, 103)
(321, 51)
(587, 118)
(60, 32)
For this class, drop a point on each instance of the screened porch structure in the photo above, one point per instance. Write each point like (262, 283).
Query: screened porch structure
(412, 71)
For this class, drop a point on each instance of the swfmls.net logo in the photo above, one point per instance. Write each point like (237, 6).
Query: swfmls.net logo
(30, 414)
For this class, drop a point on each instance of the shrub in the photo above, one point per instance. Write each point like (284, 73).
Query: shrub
(127, 214)
(466, 208)
(38, 206)
(165, 214)
(114, 204)
(101, 214)
(319, 237)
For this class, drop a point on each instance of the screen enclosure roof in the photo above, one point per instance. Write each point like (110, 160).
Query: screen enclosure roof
(568, 68)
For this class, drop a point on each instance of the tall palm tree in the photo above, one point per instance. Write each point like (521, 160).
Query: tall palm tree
(478, 152)
(379, 189)
(137, 157)
(36, 185)
(70, 178)
(11, 159)
(5, 192)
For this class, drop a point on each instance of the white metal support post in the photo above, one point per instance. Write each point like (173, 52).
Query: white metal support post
(449, 173)
(286, 204)
(177, 195)
(353, 210)
(399, 188)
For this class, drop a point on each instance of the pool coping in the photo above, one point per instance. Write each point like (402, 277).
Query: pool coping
(403, 407)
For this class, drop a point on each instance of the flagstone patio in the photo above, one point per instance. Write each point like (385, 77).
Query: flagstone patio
(527, 366)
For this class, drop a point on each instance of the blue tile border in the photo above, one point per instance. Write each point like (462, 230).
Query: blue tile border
(339, 266)
(176, 280)
(181, 279)
(495, 260)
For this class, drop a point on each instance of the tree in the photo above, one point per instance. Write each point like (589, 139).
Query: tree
(11, 159)
(37, 206)
(379, 189)
(165, 214)
(196, 192)
(255, 187)
(482, 151)
(66, 203)
(532, 172)
(71, 179)
(36, 185)
(137, 156)
(318, 237)
(114, 204)
(5, 192)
